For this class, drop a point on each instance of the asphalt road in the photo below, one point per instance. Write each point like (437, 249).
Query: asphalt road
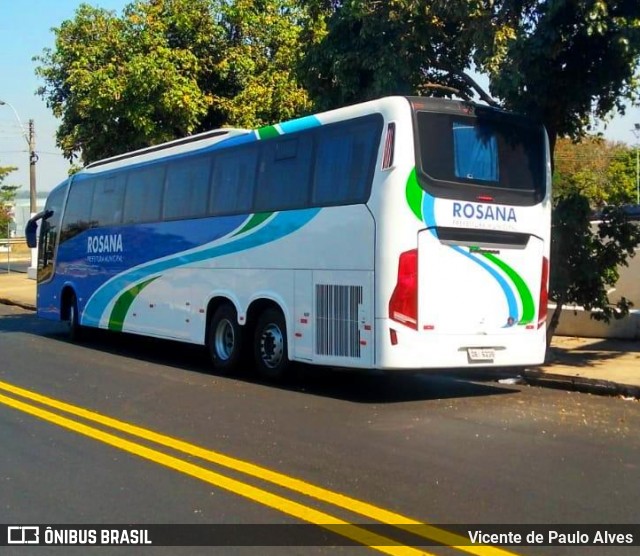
(360, 448)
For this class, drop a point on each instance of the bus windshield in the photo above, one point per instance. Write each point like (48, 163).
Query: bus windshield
(487, 150)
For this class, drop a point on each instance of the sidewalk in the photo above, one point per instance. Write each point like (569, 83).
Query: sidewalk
(17, 289)
(593, 365)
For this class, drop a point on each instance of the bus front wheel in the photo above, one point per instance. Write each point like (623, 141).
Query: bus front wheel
(270, 346)
(74, 329)
(225, 339)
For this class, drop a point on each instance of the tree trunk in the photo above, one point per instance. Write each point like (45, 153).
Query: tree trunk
(555, 321)
(553, 137)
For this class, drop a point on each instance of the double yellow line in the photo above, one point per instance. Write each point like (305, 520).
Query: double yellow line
(290, 507)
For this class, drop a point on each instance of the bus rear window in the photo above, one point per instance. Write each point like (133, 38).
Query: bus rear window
(461, 156)
(475, 153)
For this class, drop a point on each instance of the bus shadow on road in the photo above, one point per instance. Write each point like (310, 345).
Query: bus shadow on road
(19, 320)
(390, 387)
(348, 385)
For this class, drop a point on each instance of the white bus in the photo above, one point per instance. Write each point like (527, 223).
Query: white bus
(400, 233)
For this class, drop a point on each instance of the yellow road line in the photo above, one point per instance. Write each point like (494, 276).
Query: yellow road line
(290, 507)
(357, 506)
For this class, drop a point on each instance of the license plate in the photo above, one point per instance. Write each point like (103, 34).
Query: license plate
(481, 354)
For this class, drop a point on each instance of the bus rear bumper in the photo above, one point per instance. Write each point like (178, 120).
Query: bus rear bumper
(400, 347)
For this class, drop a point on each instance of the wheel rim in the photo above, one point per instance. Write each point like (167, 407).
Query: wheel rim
(271, 346)
(224, 339)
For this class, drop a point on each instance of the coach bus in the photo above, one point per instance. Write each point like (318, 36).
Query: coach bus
(400, 233)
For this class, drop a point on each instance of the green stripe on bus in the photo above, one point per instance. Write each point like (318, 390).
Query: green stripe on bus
(120, 309)
(253, 221)
(267, 132)
(414, 194)
(528, 305)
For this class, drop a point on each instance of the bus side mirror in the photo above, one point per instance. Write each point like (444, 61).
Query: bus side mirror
(31, 230)
(30, 233)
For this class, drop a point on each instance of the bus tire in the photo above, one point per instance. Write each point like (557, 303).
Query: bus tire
(74, 328)
(270, 346)
(225, 339)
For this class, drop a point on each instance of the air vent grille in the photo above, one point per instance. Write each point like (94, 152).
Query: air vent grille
(337, 330)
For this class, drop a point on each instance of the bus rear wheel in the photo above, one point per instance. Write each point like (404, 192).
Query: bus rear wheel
(270, 346)
(225, 339)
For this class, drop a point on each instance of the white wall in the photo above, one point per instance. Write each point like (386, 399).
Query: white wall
(577, 322)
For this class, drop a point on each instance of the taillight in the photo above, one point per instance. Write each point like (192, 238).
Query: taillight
(544, 293)
(403, 306)
(389, 146)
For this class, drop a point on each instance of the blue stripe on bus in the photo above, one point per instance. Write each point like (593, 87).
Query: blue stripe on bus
(281, 225)
(300, 124)
(508, 292)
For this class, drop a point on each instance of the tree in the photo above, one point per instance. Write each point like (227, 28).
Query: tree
(534, 53)
(169, 68)
(261, 49)
(622, 177)
(7, 196)
(119, 84)
(563, 62)
(373, 49)
(601, 170)
(590, 258)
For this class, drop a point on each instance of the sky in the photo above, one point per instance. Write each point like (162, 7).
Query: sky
(25, 30)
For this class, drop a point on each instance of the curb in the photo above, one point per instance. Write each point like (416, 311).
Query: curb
(536, 377)
(26, 306)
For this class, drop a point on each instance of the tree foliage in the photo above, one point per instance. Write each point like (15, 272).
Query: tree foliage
(168, 68)
(261, 49)
(563, 62)
(123, 83)
(372, 49)
(623, 177)
(603, 171)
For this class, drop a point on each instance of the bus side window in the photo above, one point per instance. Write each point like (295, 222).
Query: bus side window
(233, 181)
(77, 213)
(285, 171)
(108, 197)
(187, 188)
(143, 197)
(344, 164)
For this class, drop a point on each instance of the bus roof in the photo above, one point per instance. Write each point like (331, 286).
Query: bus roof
(209, 136)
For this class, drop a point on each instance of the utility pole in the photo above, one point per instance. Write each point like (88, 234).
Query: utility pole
(33, 158)
(637, 172)
(32, 271)
(30, 138)
(636, 134)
